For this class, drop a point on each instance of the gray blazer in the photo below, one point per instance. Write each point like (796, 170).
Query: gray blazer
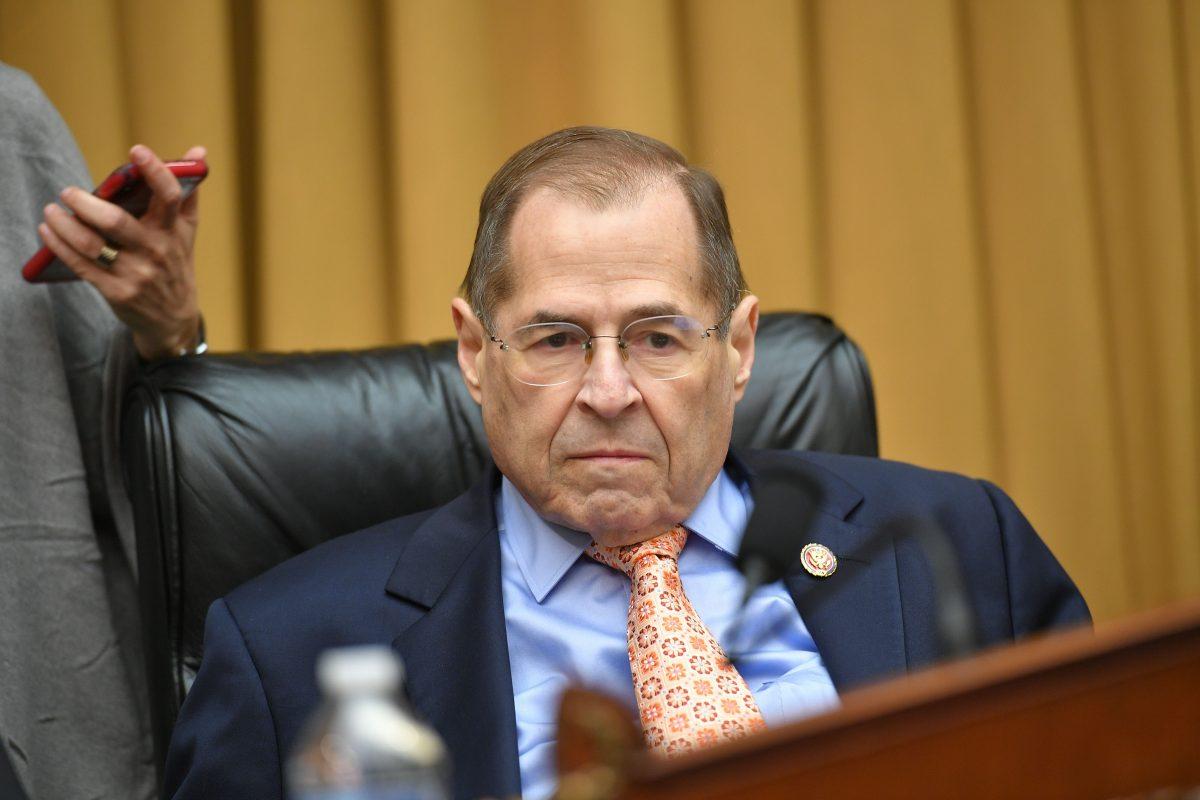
(73, 717)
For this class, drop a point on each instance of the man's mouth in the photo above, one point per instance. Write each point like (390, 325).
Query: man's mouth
(610, 456)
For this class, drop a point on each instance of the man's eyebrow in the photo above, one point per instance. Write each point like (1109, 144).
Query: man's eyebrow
(643, 311)
(655, 310)
(542, 316)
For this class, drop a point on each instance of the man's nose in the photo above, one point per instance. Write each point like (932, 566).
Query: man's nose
(608, 388)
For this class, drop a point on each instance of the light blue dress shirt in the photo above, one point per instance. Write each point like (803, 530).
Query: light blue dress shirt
(565, 616)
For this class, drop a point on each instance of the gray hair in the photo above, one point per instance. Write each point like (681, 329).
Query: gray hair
(600, 167)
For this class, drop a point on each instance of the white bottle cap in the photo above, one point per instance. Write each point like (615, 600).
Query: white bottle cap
(364, 669)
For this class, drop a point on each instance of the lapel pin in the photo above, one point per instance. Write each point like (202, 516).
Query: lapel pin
(818, 560)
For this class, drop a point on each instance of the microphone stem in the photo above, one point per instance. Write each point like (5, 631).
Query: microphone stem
(756, 571)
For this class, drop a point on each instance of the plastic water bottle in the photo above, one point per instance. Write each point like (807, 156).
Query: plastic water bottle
(364, 743)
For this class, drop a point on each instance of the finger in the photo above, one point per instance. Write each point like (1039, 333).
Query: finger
(87, 243)
(165, 191)
(80, 237)
(113, 222)
(190, 205)
(85, 269)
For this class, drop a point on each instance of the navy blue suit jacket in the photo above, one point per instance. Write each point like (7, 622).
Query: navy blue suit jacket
(429, 585)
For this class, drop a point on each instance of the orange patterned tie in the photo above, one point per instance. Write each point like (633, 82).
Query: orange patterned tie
(688, 693)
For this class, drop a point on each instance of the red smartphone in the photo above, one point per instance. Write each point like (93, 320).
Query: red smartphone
(125, 188)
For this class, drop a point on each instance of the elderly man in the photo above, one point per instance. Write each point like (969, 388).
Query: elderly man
(607, 334)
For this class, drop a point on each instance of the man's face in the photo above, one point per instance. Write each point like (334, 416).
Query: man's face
(613, 453)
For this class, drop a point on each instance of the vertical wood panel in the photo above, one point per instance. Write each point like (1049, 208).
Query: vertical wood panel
(445, 124)
(632, 67)
(1185, 20)
(988, 325)
(56, 42)
(1136, 126)
(539, 81)
(1047, 289)
(903, 275)
(751, 103)
(323, 245)
(179, 84)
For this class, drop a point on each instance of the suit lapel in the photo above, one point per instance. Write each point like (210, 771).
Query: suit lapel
(455, 648)
(854, 616)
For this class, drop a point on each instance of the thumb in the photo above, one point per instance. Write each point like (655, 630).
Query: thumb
(190, 207)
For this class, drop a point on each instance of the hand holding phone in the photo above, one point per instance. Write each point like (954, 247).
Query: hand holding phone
(126, 188)
(143, 266)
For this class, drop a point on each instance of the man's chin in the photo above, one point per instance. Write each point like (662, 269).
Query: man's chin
(615, 516)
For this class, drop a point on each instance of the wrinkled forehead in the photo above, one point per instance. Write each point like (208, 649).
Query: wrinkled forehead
(566, 255)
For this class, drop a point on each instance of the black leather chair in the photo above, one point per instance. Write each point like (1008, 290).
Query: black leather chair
(237, 462)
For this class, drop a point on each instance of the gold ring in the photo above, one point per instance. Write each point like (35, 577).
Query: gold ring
(107, 256)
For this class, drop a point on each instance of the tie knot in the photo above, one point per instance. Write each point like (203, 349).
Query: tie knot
(626, 558)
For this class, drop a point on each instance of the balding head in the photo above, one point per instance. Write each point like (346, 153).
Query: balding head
(599, 168)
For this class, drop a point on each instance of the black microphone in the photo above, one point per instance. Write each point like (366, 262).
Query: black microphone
(957, 625)
(954, 615)
(785, 502)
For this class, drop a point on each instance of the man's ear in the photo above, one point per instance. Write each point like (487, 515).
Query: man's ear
(743, 325)
(470, 345)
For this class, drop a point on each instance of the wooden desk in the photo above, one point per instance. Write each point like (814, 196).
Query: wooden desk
(1075, 715)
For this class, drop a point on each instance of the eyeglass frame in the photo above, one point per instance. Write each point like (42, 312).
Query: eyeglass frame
(622, 345)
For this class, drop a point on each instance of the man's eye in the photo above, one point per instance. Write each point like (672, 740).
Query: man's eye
(656, 342)
(659, 341)
(556, 341)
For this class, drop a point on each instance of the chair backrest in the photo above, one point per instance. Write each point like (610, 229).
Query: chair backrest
(237, 462)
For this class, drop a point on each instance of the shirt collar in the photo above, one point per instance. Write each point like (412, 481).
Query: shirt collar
(545, 551)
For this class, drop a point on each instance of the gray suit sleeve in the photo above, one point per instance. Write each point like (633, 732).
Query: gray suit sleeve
(72, 704)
